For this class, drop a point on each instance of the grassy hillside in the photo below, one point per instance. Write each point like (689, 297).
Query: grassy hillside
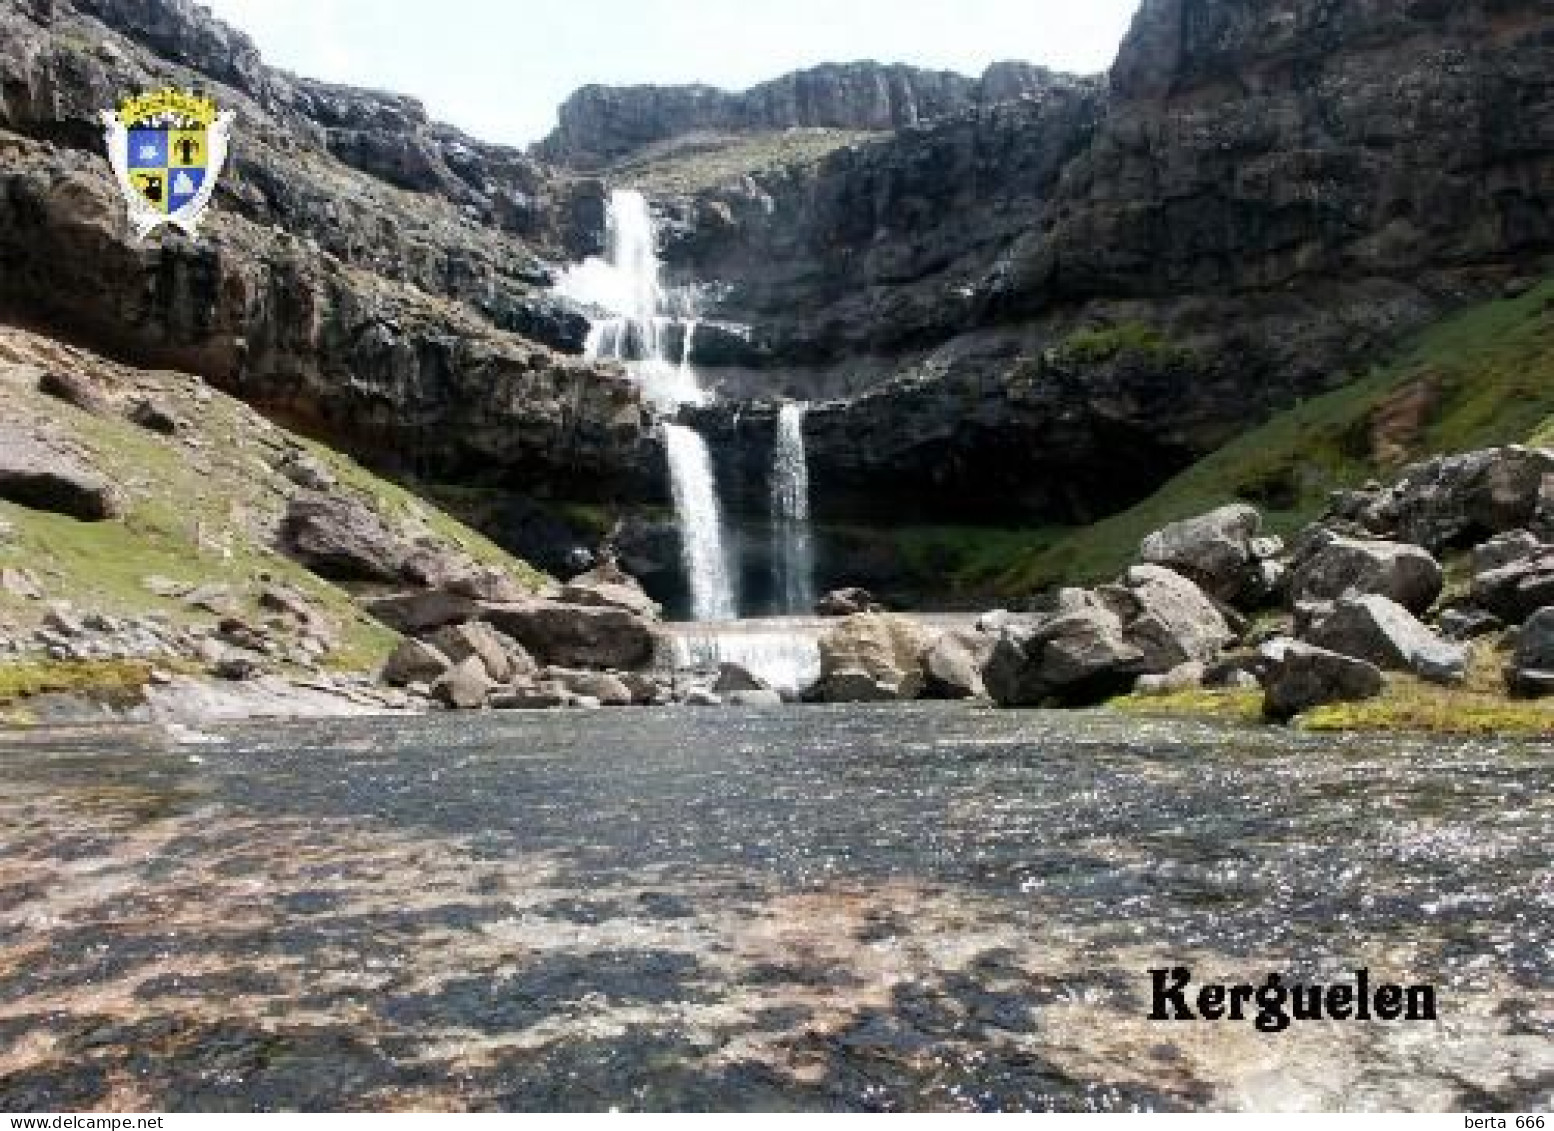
(202, 505)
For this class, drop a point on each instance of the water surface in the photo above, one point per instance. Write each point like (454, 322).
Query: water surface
(853, 908)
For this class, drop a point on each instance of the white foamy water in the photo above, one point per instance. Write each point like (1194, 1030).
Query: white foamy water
(783, 653)
(701, 524)
(651, 331)
(793, 556)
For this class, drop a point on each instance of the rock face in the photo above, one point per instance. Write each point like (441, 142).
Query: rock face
(1300, 676)
(1049, 305)
(366, 272)
(872, 657)
(600, 123)
(1395, 570)
(1373, 628)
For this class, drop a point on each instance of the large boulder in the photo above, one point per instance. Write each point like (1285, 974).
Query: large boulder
(1373, 628)
(1167, 618)
(503, 659)
(609, 585)
(1334, 566)
(1216, 550)
(342, 538)
(423, 610)
(464, 686)
(1459, 500)
(873, 657)
(414, 661)
(576, 636)
(1300, 676)
(953, 664)
(1080, 655)
(39, 476)
(1531, 670)
(1518, 588)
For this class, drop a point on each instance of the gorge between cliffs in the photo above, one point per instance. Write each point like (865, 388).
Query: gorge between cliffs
(795, 598)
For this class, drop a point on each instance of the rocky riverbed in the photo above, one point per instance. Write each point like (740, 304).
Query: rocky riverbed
(857, 908)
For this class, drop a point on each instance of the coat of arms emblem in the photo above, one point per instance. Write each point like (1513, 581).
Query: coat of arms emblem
(166, 148)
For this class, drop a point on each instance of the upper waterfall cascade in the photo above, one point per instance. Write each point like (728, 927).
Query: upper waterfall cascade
(651, 330)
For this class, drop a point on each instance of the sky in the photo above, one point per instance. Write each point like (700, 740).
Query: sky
(498, 68)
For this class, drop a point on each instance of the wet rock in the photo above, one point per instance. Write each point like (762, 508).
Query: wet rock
(75, 389)
(1301, 676)
(871, 657)
(736, 677)
(464, 686)
(414, 661)
(1531, 671)
(610, 586)
(953, 665)
(1398, 571)
(423, 611)
(1077, 656)
(1219, 551)
(1514, 591)
(607, 689)
(576, 636)
(1460, 499)
(846, 603)
(461, 641)
(1383, 632)
(44, 478)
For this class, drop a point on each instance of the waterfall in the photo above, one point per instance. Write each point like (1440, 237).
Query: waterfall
(639, 333)
(793, 557)
(701, 539)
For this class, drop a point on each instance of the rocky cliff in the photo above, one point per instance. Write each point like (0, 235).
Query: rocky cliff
(370, 275)
(1044, 306)
(598, 124)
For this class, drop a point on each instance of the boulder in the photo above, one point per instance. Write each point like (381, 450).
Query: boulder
(154, 416)
(846, 603)
(736, 677)
(1167, 618)
(1467, 624)
(1531, 671)
(1215, 550)
(1401, 572)
(1379, 630)
(38, 476)
(485, 583)
(609, 585)
(953, 665)
(1503, 549)
(461, 641)
(414, 661)
(1076, 657)
(1300, 676)
(423, 610)
(305, 471)
(609, 689)
(871, 657)
(645, 690)
(342, 538)
(1461, 499)
(1184, 677)
(463, 686)
(1516, 590)
(576, 636)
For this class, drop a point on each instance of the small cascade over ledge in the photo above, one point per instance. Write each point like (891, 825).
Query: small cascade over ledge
(651, 331)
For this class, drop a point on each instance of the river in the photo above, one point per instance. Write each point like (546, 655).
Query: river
(901, 907)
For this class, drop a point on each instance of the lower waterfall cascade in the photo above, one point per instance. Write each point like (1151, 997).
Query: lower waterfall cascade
(793, 556)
